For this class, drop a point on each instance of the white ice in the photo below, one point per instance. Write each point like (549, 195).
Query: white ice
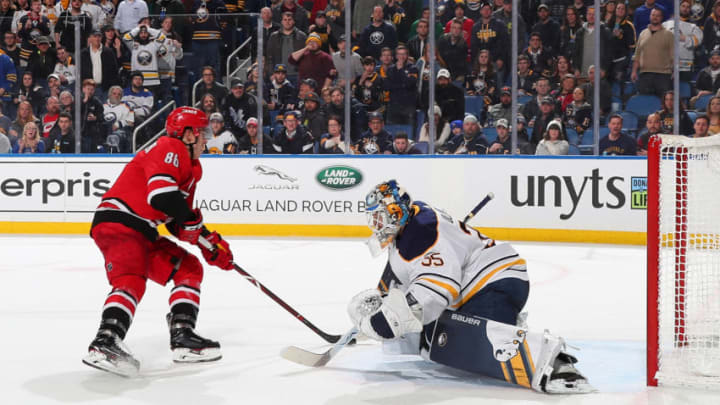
(53, 289)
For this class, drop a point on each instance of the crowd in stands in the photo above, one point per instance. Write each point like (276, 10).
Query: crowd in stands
(138, 55)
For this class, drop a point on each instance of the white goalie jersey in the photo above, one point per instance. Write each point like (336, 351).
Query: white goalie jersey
(443, 263)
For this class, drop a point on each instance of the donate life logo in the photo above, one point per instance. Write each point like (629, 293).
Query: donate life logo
(339, 177)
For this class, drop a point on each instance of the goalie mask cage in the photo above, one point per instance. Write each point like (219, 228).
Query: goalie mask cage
(683, 261)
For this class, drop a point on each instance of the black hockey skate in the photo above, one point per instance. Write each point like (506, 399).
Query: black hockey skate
(565, 378)
(107, 352)
(187, 346)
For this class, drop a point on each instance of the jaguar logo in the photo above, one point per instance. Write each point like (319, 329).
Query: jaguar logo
(269, 171)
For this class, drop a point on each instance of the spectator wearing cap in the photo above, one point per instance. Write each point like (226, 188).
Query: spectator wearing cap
(502, 145)
(466, 24)
(64, 67)
(490, 34)
(548, 29)
(442, 129)
(583, 55)
(93, 131)
(358, 114)
(248, 143)
(542, 119)
(453, 50)
(456, 128)
(279, 92)
(708, 80)
(449, 97)
(376, 140)
(293, 138)
(65, 27)
(339, 61)
(238, 107)
(221, 141)
(297, 12)
(333, 142)
(138, 97)
(653, 64)
(99, 63)
(402, 145)
(28, 90)
(553, 142)
(306, 86)
(129, 12)
(402, 84)
(313, 63)
(323, 30)
(470, 142)
(503, 109)
(32, 25)
(283, 43)
(8, 80)
(377, 35)
(643, 14)
(313, 117)
(211, 85)
(367, 87)
(42, 61)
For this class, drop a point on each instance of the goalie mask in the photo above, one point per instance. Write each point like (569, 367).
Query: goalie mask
(387, 207)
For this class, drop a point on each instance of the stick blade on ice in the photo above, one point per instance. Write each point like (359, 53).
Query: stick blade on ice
(304, 357)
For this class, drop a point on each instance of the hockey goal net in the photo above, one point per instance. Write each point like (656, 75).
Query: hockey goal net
(683, 259)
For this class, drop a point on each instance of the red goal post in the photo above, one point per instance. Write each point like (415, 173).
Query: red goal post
(683, 261)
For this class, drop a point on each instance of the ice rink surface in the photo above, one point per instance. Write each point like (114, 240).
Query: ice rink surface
(53, 289)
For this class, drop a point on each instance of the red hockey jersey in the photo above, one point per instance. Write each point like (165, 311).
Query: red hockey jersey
(163, 167)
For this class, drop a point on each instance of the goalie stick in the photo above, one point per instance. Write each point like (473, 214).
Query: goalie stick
(247, 276)
(311, 359)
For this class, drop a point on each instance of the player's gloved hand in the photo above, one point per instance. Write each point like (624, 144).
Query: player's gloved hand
(189, 231)
(220, 256)
(392, 319)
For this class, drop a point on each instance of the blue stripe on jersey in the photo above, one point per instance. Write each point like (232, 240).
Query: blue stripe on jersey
(420, 233)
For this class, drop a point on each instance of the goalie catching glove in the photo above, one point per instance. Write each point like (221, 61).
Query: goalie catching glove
(384, 318)
(220, 256)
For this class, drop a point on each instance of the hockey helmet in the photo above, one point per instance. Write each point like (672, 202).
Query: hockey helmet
(387, 207)
(184, 117)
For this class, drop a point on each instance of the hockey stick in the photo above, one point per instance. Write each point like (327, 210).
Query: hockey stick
(478, 207)
(310, 359)
(328, 337)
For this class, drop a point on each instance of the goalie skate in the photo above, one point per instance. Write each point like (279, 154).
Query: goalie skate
(556, 372)
(108, 353)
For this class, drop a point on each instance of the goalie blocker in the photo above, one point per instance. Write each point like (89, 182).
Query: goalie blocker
(462, 291)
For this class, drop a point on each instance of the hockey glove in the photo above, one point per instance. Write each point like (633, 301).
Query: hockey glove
(190, 230)
(220, 256)
(393, 319)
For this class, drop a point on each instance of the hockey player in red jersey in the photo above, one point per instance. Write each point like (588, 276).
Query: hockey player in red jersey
(156, 187)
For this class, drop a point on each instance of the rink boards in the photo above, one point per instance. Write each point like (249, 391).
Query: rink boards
(569, 199)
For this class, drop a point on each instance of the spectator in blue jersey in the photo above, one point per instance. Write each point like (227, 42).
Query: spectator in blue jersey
(138, 98)
(470, 142)
(401, 82)
(293, 138)
(616, 142)
(641, 17)
(376, 140)
(206, 39)
(8, 80)
(377, 35)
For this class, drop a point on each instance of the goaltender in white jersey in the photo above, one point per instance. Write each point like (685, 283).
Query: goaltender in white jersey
(454, 296)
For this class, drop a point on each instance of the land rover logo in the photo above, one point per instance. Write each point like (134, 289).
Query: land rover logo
(339, 177)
